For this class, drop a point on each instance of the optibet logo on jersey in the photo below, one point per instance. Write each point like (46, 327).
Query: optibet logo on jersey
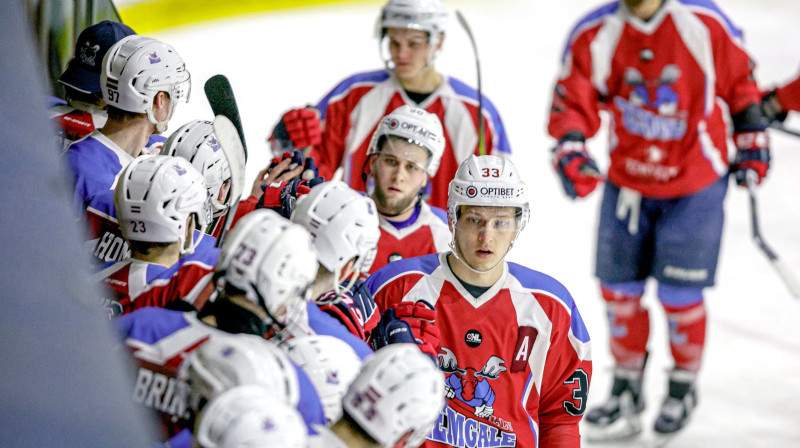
(472, 191)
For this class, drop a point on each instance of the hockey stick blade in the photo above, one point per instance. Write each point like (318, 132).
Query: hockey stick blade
(223, 102)
(228, 138)
(780, 267)
(481, 127)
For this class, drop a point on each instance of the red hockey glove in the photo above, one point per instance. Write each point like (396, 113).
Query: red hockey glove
(576, 168)
(421, 317)
(752, 154)
(303, 126)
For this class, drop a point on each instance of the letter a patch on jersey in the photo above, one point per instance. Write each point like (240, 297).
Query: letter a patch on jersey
(522, 353)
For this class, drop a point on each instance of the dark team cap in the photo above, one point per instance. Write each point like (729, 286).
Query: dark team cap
(83, 71)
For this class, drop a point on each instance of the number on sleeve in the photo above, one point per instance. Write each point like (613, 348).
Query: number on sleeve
(579, 393)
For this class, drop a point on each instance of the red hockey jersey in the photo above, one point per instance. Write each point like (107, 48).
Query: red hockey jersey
(352, 110)
(426, 232)
(667, 84)
(517, 359)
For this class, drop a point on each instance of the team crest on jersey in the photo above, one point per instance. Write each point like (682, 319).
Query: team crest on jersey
(154, 59)
(651, 109)
(469, 420)
(89, 54)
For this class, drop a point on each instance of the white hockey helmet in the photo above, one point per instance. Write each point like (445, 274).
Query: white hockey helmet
(272, 260)
(196, 142)
(487, 181)
(396, 396)
(425, 15)
(249, 416)
(136, 68)
(154, 197)
(331, 365)
(229, 360)
(416, 125)
(343, 222)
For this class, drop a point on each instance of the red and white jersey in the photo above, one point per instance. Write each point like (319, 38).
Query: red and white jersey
(137, 284)
(425, 232)
(352, 110)
(668, 85)
(517, 359)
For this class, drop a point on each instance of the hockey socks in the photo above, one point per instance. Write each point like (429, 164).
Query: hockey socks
(687, 335)
(629, 327)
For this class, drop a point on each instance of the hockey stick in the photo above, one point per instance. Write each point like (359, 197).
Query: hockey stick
(783, 271)
(481, 141)
(223, 102)
(228, 137)
(780, 127)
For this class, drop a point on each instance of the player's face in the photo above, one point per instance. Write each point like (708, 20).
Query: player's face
(399, 172)
(410, 52)
(484, 234)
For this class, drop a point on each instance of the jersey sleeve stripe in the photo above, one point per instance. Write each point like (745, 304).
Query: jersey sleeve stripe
(710, 8)
(349, 83)
(589, 21)
(425, 265)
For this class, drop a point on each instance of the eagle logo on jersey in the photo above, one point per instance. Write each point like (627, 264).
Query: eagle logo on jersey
(468, 384)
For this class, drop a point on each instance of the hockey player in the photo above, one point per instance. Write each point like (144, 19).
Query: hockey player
(404, 153)
(143, 80)
(661, 69)
(163, 210)
(393, 402)
(513, 346)
(411, 33)
(195, 142)
(248, 416)
(266, 267)
(84, 109)
(330, 364)
(344, 224)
